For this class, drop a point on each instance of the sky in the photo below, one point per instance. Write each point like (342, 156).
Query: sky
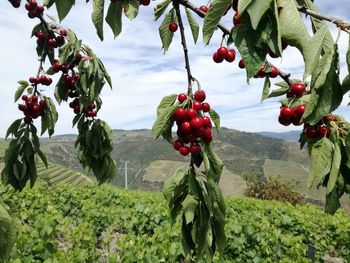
(142, 74)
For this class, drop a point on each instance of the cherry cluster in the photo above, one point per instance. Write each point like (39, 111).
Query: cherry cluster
(32, 107)
(89, 110)
(321, 129)
(173, 27)
(193, 126)
(51, 38)
(34, 10)
(264, 71)
(289, 115)
(43, 79)
(223, 53)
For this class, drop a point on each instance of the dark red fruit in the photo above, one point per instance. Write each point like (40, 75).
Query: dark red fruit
(199, 95)
(197, 105)
(231, 55)
(196, 123)
(207, 133)
(206, 122)
(203, 8)
(39, 9)
(311, 132)
(191, 113)
(296, 121)
(300, 110)
(287, 112)
(63, 32)
(198, 132)
(284, 121)
(33, 80)
(52, 42)
(324, 131)
(190, 137)
(222, 52)
(261, 72)
(184, 150)
(186, 127)
(24, 97)
(274, 72)
(217, 58)
(205, 107)
(145, 2)
(182, 97)
(40, 35)
(236, 19)
(56, 67)
(180, 114)
(298, 89)
(22, 107)
(195, 149)
(27, 120)
(177, 144)
(173, 27)
(241, 64)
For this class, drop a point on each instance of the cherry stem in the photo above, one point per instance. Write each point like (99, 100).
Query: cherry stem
(176, 4)
(338, 22)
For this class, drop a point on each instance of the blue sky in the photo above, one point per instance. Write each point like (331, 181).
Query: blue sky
(142, 74)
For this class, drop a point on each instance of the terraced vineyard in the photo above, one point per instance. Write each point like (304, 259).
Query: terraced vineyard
(58, 174)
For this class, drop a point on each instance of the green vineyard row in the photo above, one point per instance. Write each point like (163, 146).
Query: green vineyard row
(64, 223)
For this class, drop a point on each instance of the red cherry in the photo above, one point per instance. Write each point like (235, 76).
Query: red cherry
(24, 97)
(198, 132)
(36, 108)
(180, 114)
(190, 137)
(287, 112)
(199, 95)
(296, 120)
(241, 64)
(22, 107)
(261, 73)
(205, 107)
(231, 55)
(27, 120)
(203, 8)
(32, 14)
(195, 149)
(55, 67)
(186, 127)
(191, 113)
(39, 9)
(222, 52)
(300, 110)
(196, 123)
(298, 89)
(63, 32)
(274, 72)
(236, 19)
(52, 42)
(197, 105)
(206, 122)
(184, 150)
(32, 5)
(217, 58)
(182, 97)
(42, 103)
(207, 133)
(284, 121)
(173, 27)
(311, 132)
(324, 131)
(177, 144)
(40, 35)
(145, 2)
(33, 80)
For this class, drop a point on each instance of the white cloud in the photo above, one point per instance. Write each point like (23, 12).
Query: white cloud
(142, 75)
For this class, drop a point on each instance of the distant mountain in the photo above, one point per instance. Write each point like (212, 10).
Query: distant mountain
(291, 136)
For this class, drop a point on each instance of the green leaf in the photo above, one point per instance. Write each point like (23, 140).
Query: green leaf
(189, 206)
(213, 17)
(97, 16)
(20, 90)
(266, 89)
(48, 3)
(165, 35)
(193, 25)
(332, 202)
(166, 102)
(279, 92)
(215, 163)
(114, 17)
(313, 50)
(321, 160)
(131, 8)
(13, 129)
(293, 29)
(63, 7)
(8, 234)
(160, 9)
(257, 10)
(333, 176)
(49, 119)
(215, 118)
(243, 5)
(345, 86)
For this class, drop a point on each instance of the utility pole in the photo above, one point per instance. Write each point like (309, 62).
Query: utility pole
(126, 173)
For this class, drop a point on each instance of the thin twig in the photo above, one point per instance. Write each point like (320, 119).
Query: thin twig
(184, 45)
(338, 22)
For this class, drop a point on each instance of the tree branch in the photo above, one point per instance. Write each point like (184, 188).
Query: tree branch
(338, 22)
(176, 4)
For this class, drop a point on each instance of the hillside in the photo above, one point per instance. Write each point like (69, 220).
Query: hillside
(291, 136)
(241, 152)
(107, 224)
